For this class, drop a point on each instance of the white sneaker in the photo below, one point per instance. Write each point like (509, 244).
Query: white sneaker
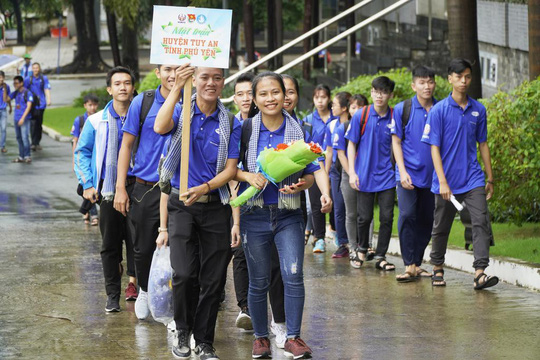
(280, 330)
(141, 305)
(171, 326)
(192, 344)
(243, 321)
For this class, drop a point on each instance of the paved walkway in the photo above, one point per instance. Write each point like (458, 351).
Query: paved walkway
(52, 298)
(46, 53)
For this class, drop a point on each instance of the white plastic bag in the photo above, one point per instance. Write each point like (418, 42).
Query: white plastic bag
(160, 299)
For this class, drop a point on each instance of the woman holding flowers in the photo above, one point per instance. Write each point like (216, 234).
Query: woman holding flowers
(273, 215)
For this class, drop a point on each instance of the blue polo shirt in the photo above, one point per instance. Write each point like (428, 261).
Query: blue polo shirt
(36, 86)
(270, 139)
(307, 134)
(204, 146)
(119, 123)
(76, 128)
(373, 159)
(456, 131)
(151, 143)
(319, 126)
(20, 103)
(416, 154)
(330, 137)
(338, 140)
(3, 104)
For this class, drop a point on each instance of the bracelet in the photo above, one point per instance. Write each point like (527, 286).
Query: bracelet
(160, 229)
(209, 188)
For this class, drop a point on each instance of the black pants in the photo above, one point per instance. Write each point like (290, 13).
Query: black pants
(144, 215)
(115, 229)
(200, 241)
(365, 204)
(319, 219)
(240, 275)
(36, 126)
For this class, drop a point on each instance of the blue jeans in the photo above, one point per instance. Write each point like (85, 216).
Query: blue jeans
(260, 227)
(339, 206)
(3, 126)
(23, 138)
(415, 221)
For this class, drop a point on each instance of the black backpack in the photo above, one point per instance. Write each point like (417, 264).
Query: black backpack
(147, 102)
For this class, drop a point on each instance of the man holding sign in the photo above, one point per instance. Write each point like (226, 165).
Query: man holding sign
(204, 216)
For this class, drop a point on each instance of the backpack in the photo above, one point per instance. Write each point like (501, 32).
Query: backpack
(407, 104)
(363, 122)
(82, 120)
(147, 102)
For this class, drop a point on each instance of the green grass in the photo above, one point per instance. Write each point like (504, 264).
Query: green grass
(61, 119)
(519, 242)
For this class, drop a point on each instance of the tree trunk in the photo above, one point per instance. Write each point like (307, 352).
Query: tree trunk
(534, 39)
(113, 37)
(463, 38)
(306, 65)
(88, 57)
(317, 63)
(18, 16)
(130, 49)
(234, 41)
(350, 21)
(279, 31)
(271, 31)
(248, 31)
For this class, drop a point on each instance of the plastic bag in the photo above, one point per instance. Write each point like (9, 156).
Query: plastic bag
(160, 297)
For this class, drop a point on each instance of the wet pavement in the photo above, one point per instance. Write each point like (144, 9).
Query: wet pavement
(52, 295)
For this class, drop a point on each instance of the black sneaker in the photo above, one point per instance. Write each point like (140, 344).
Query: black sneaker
(113, 303)
(206, 352)
(180, 348)
(243, 321)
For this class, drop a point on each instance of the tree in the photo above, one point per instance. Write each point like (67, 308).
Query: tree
(87, 57)
(113, 36)
(308, 15)
(534, 39)
(463, 38)
(249, 31)
(17, 10)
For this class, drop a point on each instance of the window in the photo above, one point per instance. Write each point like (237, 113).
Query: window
(488, 68)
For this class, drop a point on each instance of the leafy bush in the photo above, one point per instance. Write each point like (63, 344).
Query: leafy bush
(150, 81)
(402, 91)
(513, 127)
(101, 93)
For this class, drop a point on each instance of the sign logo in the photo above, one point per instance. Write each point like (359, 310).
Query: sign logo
(201, 19)
(191, 18)
(427, 129)
(475, 113)
(182, 18)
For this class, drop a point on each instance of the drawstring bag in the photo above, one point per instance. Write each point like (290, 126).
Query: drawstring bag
(160, 297)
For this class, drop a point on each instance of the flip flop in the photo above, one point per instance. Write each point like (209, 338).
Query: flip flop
(488, 282)
(405, 279)
(422, 273)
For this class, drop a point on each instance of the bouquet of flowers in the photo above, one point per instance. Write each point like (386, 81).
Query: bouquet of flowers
(160, 286)
(281, 162)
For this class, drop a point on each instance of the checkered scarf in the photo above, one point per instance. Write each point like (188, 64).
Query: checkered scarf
(172, 160)
(293, 132)
(111, 162)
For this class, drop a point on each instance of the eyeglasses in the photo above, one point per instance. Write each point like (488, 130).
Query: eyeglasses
(378, 93)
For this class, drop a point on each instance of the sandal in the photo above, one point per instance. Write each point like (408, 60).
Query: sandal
(439, 279)
(407, 277)
(18, 160)
(307, 234)
(385, 267)
(422, 273)
(86, 218)
(354, 259)
(94, 221)
(489, 281)
(4, 150)
(370, 254)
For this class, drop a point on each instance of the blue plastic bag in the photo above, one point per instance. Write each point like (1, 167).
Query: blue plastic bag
(160, 295)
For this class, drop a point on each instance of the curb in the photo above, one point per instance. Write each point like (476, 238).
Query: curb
(515, 272)
(55, 135)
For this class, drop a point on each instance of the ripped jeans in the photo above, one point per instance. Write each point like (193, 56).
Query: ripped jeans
(259, 227)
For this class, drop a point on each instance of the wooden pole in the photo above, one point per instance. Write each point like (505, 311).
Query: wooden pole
(186, 132)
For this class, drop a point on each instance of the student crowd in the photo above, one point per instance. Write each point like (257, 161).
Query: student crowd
(127, 158)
